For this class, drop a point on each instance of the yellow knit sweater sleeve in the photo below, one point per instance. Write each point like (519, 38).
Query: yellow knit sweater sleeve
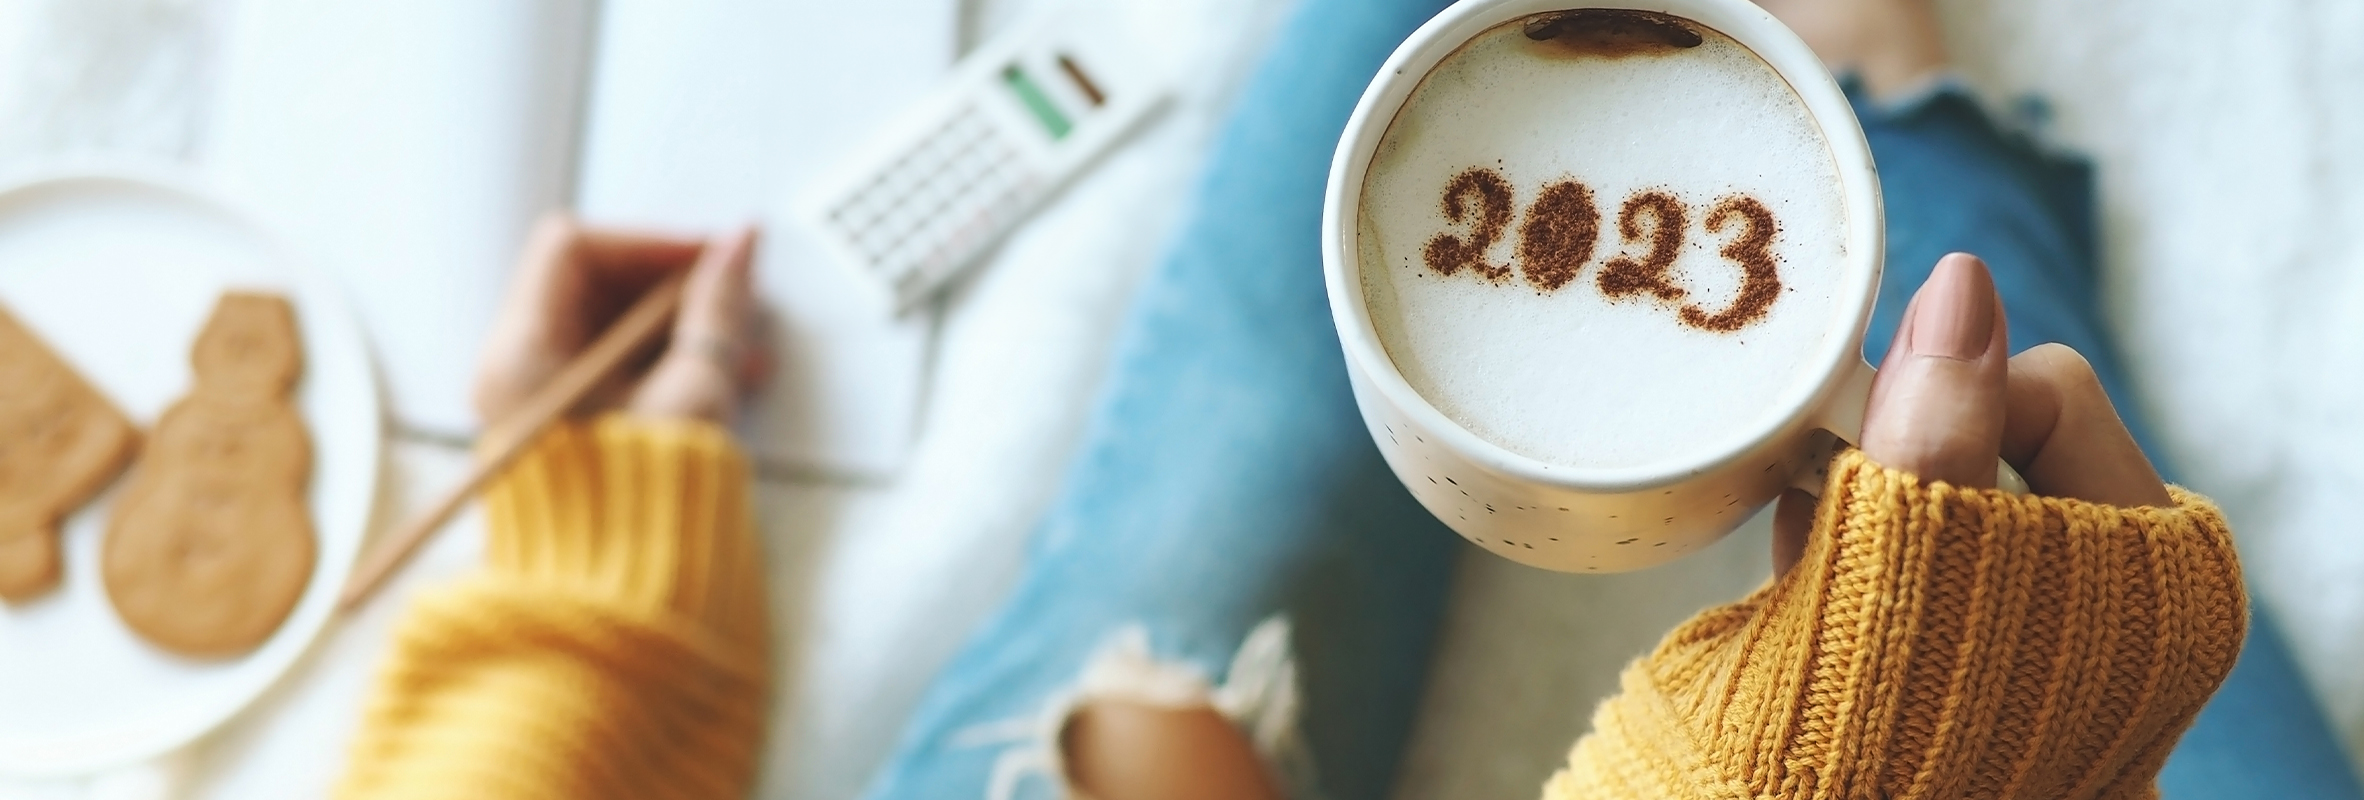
(1936, 642)
(613, 646)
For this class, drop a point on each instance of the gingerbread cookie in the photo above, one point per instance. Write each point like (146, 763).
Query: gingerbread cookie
(211, 544)
(60, 442)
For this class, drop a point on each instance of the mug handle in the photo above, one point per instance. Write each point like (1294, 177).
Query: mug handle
(1845, 421)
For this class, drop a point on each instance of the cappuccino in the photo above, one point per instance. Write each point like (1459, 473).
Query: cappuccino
(1605, 238)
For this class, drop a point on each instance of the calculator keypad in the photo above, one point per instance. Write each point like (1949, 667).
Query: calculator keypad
(939, 202)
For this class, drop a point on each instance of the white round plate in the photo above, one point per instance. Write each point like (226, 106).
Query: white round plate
(116, 273)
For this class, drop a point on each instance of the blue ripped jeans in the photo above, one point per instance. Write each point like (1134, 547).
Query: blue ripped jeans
(1226, 478)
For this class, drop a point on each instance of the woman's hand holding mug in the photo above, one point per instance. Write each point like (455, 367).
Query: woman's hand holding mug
(1949, 400)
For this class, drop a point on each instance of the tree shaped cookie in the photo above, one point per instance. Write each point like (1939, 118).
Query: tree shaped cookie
(211, 545)
(60, 442)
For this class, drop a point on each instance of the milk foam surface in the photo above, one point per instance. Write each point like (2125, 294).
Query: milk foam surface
(1573, 376)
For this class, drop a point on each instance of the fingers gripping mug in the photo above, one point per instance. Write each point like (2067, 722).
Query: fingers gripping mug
(1602, 273)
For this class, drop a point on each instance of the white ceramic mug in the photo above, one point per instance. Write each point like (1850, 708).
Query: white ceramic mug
(1592, 519)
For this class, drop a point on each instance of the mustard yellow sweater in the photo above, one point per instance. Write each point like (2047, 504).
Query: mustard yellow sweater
(1932, 643)
(614, 646)
(1936, 642)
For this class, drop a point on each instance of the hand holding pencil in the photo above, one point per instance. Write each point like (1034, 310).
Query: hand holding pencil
(601, 319)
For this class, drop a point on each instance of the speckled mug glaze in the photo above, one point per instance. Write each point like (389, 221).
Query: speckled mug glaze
(1596, 519)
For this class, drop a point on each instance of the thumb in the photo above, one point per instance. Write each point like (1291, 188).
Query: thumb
(1936, 409)
(718, 300)
(697, 376)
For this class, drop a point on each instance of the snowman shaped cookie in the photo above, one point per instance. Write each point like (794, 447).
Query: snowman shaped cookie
(212, 544)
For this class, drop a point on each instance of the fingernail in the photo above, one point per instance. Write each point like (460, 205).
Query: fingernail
(1955, 317)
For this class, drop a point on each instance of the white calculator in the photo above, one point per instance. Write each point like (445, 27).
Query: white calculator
(948, 179)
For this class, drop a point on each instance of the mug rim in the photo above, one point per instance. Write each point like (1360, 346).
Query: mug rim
(1445, 34)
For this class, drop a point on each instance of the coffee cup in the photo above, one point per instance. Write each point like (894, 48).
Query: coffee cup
(1601, 273)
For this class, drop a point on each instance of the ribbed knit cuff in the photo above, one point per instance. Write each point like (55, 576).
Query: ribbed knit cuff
(614, 646)
(1936, 642)
(650, 515)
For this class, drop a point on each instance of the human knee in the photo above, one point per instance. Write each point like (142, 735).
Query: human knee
(1147, 728)
(1124, 750)
(1137, 726)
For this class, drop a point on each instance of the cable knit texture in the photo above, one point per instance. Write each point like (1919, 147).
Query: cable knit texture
(1936, 642)
(613, 646)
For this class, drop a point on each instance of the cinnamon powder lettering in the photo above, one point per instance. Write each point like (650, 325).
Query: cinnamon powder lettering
(1480, 198)
(1563, 228)
(1625, 276)
(1558, 236)
(1760, 276)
